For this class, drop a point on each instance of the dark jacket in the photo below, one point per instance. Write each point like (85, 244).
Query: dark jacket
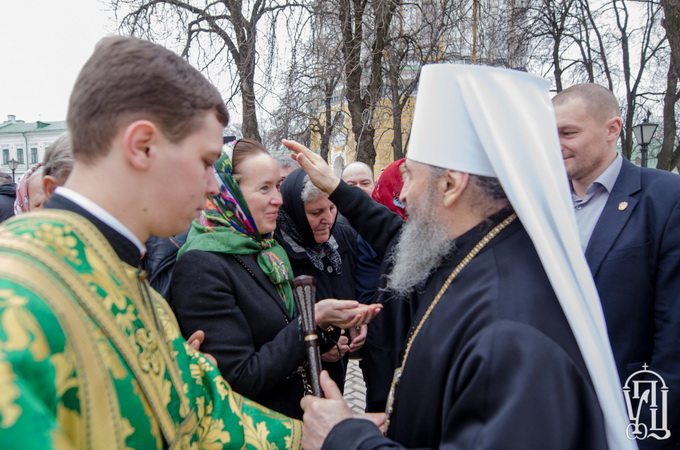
(381, 353)
(258, 347)
(634, 255)
(8, 193)
(159, 260)
(368, 271)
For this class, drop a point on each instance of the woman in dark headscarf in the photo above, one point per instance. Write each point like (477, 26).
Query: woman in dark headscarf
(232, 281)
(319, 245)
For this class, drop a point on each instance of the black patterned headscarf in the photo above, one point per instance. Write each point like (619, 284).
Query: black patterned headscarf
(293, 227)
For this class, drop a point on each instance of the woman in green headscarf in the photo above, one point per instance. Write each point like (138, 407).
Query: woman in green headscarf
(232, 281)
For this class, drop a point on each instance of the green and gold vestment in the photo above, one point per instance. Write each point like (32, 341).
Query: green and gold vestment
(91, 357)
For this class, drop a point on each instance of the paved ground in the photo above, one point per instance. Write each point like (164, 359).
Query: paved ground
(355, 388)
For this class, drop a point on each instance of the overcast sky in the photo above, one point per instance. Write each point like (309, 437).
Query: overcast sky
(43, 45)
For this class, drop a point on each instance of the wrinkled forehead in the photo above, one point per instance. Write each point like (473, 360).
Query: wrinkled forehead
(319, 201)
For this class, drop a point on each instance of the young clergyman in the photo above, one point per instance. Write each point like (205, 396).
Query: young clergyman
(90, 356)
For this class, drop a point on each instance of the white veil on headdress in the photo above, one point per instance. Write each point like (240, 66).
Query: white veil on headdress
(500, 123)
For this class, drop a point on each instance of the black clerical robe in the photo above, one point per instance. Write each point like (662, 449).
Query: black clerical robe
(494, 366)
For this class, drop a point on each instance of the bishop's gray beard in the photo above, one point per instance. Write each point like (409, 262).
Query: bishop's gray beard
(421, 247)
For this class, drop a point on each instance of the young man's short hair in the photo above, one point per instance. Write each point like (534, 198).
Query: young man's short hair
(128, 79)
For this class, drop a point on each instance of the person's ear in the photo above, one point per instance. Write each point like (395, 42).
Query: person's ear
(454, 184)
(139, 138)
(49, 184)
(614, 128)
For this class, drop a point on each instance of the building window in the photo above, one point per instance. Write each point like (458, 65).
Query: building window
(20, 155)
(34, 156)
(5, 155)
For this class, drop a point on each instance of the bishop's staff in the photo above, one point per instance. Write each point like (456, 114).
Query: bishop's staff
(304, 288)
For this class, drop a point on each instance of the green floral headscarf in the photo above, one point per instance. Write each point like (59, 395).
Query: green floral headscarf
(226, 226)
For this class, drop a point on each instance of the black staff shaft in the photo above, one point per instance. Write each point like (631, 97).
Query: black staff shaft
(304, 288)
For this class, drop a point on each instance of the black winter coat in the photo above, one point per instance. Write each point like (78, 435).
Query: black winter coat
(8, 193)
(258, 347)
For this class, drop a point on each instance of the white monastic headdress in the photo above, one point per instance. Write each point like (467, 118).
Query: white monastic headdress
(500, 123)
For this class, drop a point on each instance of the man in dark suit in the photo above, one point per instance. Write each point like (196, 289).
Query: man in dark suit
(629, 221)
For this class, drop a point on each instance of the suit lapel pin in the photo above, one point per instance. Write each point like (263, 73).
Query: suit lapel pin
(623, 205)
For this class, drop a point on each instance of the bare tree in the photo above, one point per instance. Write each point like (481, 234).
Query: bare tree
(364, 27)
(418, 36)
(669, 155)
(439, 31)
(671, 23)
(380, 60)
(501, 33)
(215, 31)
(312, 103)
(309, 106)
(550, 29)
(400, 85)
(650, 43)
(611, 43)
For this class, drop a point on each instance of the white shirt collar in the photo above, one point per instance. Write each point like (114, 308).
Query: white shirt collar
(101, 214)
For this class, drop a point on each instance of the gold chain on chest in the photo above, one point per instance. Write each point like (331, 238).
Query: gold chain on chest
(397, 373)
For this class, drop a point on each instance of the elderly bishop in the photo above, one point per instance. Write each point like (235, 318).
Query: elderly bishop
(507, 346)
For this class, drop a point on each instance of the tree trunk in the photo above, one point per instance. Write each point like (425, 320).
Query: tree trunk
(557, 64)
(327, 128)
(671, 23)
(361, 102)
(249, 127)
(397, 141)
(669, 157)
(665, 156)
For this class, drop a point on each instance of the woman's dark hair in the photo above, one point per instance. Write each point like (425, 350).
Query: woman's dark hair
(244, 149)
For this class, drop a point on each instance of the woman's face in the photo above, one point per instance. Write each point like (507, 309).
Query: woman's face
(321, 217)
(259, 181)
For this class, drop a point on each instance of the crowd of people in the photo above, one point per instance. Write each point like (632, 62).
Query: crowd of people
(501, 285)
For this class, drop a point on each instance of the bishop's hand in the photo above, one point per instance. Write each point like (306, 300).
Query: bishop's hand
(320, 173)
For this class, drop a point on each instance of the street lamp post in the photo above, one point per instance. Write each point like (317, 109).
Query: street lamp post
(13, 164)
(643, 135)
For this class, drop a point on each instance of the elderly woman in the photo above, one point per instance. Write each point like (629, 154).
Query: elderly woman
(319, 245)
(232, 281)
